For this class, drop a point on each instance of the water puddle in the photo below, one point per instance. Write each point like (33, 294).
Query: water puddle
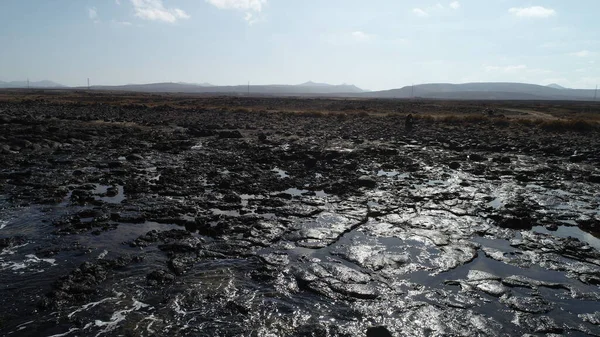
(295, 192)
(391, 174)
(280, 173)
(109, 194)
(570, 231)
(231, 213)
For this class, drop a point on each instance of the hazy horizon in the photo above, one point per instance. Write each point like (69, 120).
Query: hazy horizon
(378, 45)
(206, 84)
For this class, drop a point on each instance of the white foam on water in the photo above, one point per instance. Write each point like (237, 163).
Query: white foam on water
(91, 305)
(3, 224)
(11, 250)
(102, 255)
(29, 261)
(152, 320)
(65, 333)
(118, 317)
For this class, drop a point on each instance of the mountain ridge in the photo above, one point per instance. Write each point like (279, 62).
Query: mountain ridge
(31, 84)
(460, 91)
(484, 91)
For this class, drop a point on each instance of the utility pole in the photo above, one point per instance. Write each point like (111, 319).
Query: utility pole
(27, 83)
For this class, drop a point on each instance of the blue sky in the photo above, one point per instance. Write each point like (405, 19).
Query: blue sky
(375, 44)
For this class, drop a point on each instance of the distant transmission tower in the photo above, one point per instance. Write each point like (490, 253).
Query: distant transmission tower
(88, 83)
(28, 83)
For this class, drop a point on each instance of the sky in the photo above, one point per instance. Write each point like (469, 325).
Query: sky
(374, 44)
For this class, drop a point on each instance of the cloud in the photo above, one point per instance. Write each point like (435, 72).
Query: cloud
(582, 53)
(118, 2)
(251, 18)
(242, 5)
(420, 12)
(361, 36)
(532, 12)
(252, 8)
(93, 13)
(154, 10)
(438, 7)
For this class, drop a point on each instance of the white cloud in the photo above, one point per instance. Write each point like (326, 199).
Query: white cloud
(532, 12)
(582, 53)
(420, 12)
(242, 5)
(251, 18)
(155, 10)
(361, 36)
(252, 8)
(438, 7)
(93, 13)
(181, 14)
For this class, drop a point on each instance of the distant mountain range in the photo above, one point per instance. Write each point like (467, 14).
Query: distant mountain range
(32, 84)
(308, 88)
(486, 91)
(555, 86)
(466, 91)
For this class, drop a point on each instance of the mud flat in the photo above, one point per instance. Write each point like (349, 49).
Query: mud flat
(191, 216)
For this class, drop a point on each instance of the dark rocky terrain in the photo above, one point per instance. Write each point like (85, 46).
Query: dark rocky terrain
(189, 216)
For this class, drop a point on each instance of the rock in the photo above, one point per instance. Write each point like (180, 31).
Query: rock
(181, 264)
(476, 157)
(235, 134)
(5, 149)
(80, 196)
(594, 178)
(262, 137)
(591, 225)
(310, 162)
(134, 157)
(159, 277)
(201, 132)
(367, 181)
(591, 318)
(534, 304)
(115, 164)
(454, 165)
(81, 284)
(577, 158)
(516, 222)
(112, 191)
(232, 198)
(378, 331)
(12, 241)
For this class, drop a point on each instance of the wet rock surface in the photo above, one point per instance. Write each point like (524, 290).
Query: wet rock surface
(135, 220)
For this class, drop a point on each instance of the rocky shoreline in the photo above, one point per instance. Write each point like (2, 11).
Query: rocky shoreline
(122, 219)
